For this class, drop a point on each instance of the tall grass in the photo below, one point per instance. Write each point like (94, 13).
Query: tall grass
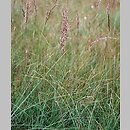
(75, 90)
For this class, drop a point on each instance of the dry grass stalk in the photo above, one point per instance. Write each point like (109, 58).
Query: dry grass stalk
(13, 4)
(28, 8)
(108, 14)
(100, 38)
(64, 29)
(18, 76)
(77, 23)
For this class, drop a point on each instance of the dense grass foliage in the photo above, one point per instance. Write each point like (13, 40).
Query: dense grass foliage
(78, 89)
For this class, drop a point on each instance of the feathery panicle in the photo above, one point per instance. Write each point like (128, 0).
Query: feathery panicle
(64, 29)
(28, 7)
(48, 13)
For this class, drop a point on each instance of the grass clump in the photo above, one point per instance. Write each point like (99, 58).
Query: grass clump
(74, 89)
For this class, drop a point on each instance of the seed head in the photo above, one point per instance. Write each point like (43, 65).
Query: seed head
(64, 29)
